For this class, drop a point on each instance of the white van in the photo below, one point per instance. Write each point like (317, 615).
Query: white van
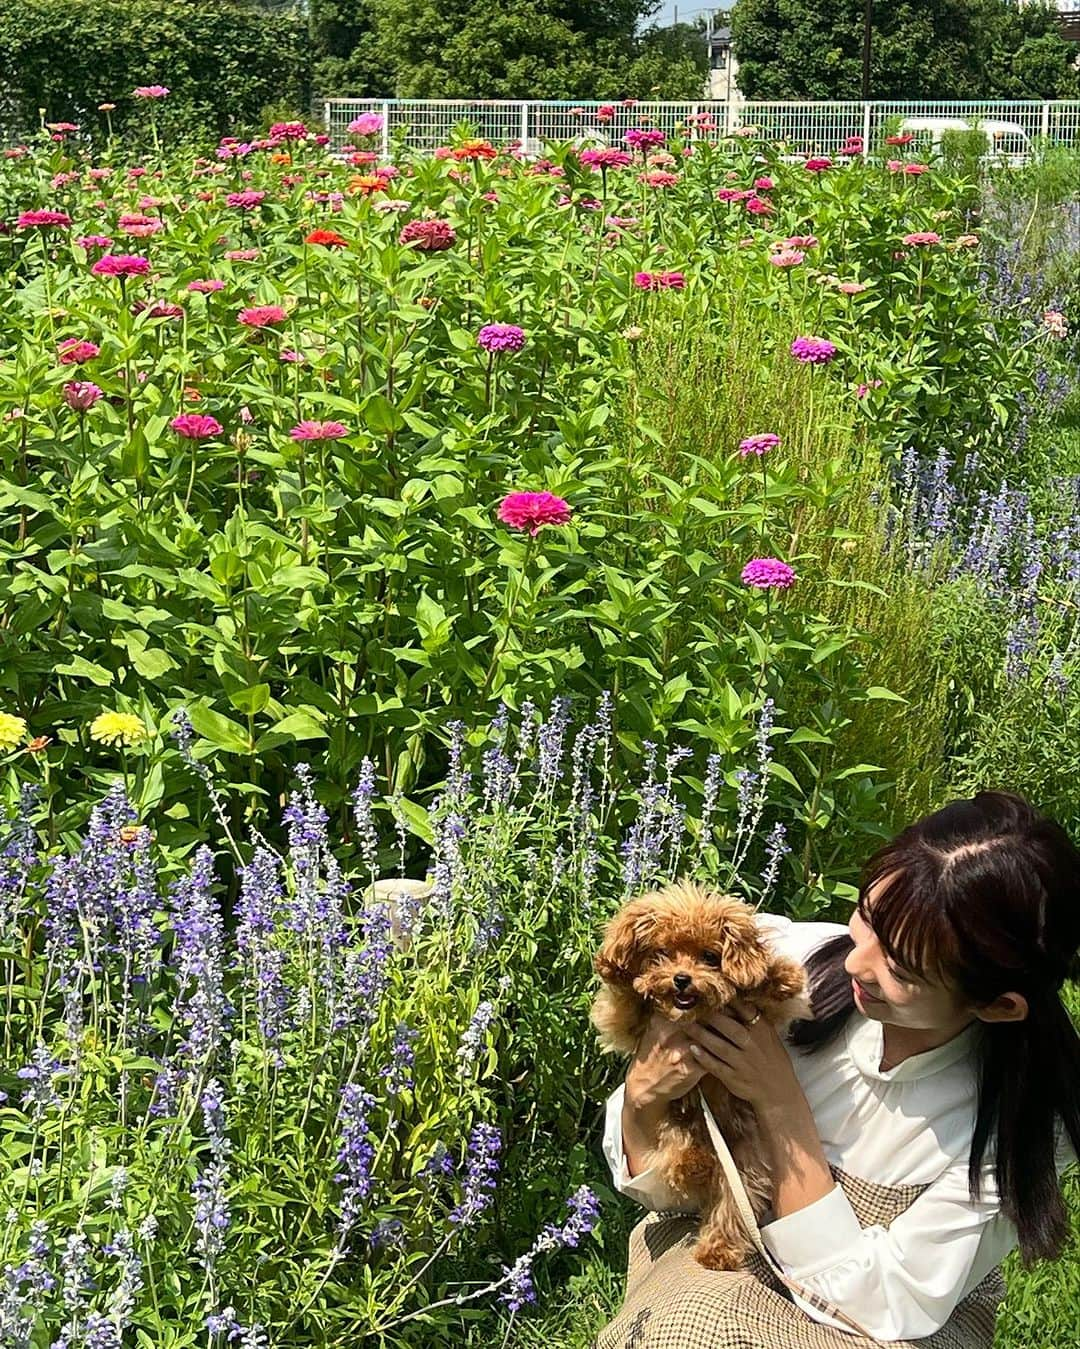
(1009, 142)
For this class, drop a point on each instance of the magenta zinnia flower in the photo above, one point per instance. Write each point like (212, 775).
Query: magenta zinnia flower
(532, 510)
(813, 350)
(247, 200)
(817, 163)
(43, 220)
(768, 573)
(262, 316)
(659, 280)
(501, 337)
(639, 138)
(196, 426)
(607, 157)
(319, 431)
(429, 236)
(759, 444)
(150, 91)
(89, 241)
(121, 264)
(81, 395)
(74, 351)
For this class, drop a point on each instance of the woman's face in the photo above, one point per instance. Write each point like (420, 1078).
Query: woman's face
(884, 992)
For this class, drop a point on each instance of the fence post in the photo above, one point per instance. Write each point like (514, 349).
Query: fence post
(326, 119)
(866, 128)
(386, 131)
(524, 126)
(1045, 120)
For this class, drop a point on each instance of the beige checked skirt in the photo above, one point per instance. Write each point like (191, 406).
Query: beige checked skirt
(673, 1303)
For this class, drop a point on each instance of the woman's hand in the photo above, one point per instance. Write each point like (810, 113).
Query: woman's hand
(750, 1061)
(663, 1068)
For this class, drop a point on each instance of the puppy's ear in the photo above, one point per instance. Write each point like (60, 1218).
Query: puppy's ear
(784, 979)
(620, 954)
(744, 961)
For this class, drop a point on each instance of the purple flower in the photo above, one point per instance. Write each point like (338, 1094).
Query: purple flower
(366, 833)
(355, 1153)
(759, 445)
(813, 350)
(212, 1214)
(495, 337)
(398, 1072)
(482, 1168)
(202, 1006)
(473, 1036)
(263, 963)
(768, 573)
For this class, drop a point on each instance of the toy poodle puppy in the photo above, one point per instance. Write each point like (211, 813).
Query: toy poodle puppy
(687, 952)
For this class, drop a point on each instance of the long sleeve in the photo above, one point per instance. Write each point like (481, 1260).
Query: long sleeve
(647, 1187)
(901, 1282)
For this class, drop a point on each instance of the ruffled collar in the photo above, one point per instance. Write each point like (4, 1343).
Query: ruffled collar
(866, 1043)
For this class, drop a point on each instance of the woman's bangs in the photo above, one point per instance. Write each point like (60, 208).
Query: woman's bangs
(906, 920)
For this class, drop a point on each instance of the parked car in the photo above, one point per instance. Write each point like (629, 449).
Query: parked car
(1009, 142)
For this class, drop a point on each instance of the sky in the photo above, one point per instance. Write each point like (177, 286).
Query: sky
(688, 11)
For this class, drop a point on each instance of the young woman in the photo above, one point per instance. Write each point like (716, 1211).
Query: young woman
(918, 1124)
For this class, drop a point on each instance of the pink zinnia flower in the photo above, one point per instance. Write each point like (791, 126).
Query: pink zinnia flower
(768, 573)
(818, 163)
(800, 241)
(140, 226)
(1055, 323)
(759, 445)
(763, 184)
(605, 112)
(607, 157)
(196, 426)
(532, 510)
(89, 241)
(787, 257)
(914, 170)
(121, 264)
(660, 280)
(658, 178)
(75, 351)
(319, 431)
(864, 389)
(150, 91)
(43, 220)
(262, 316)
(759, 205)
(732, 194)
(923, 237)
(367, 124)
(246, 201)
(813, 350)
(494, 337)
(81, 395)
(241, 255)
(288, 131)
(206, 287)
(852, 287)
(644, 139)
(429, 236)
(292, 357)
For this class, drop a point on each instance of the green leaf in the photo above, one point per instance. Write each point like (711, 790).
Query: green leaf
(251, 700)
(416, 819)
(302, 725)
(876, 691)
(152, 663)
(219, 730)
(80, 668)
(381, 416)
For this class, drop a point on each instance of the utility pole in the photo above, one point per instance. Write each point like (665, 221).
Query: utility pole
(867, 14)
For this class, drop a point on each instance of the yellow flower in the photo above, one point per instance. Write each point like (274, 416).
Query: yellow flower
(12, 731)
(117, 728)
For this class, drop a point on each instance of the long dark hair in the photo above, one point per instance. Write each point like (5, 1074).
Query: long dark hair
(984, 895)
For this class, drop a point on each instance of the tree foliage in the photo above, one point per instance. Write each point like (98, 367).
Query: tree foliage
(222, 63)
(920, 49)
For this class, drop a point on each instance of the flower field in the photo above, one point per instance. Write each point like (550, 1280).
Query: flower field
(534, 529)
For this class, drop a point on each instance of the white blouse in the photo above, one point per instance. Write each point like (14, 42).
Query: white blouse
(909, 1125)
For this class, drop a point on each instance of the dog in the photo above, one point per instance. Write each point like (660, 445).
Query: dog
(687, 952)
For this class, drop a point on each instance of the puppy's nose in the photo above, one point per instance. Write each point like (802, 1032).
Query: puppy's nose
(682, 981)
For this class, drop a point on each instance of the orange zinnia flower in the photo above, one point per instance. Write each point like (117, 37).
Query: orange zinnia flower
(328, 238)
(367, 183)
(475, 149)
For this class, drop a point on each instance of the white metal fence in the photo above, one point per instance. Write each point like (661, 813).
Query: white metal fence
(806, 128)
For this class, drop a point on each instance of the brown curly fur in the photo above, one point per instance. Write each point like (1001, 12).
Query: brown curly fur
(686, 929)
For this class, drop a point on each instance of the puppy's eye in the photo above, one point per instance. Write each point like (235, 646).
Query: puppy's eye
(710, 958)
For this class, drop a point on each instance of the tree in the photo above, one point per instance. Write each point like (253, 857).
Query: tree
(794, 49)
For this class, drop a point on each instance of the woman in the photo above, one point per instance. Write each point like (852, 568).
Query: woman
(917, 1124)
